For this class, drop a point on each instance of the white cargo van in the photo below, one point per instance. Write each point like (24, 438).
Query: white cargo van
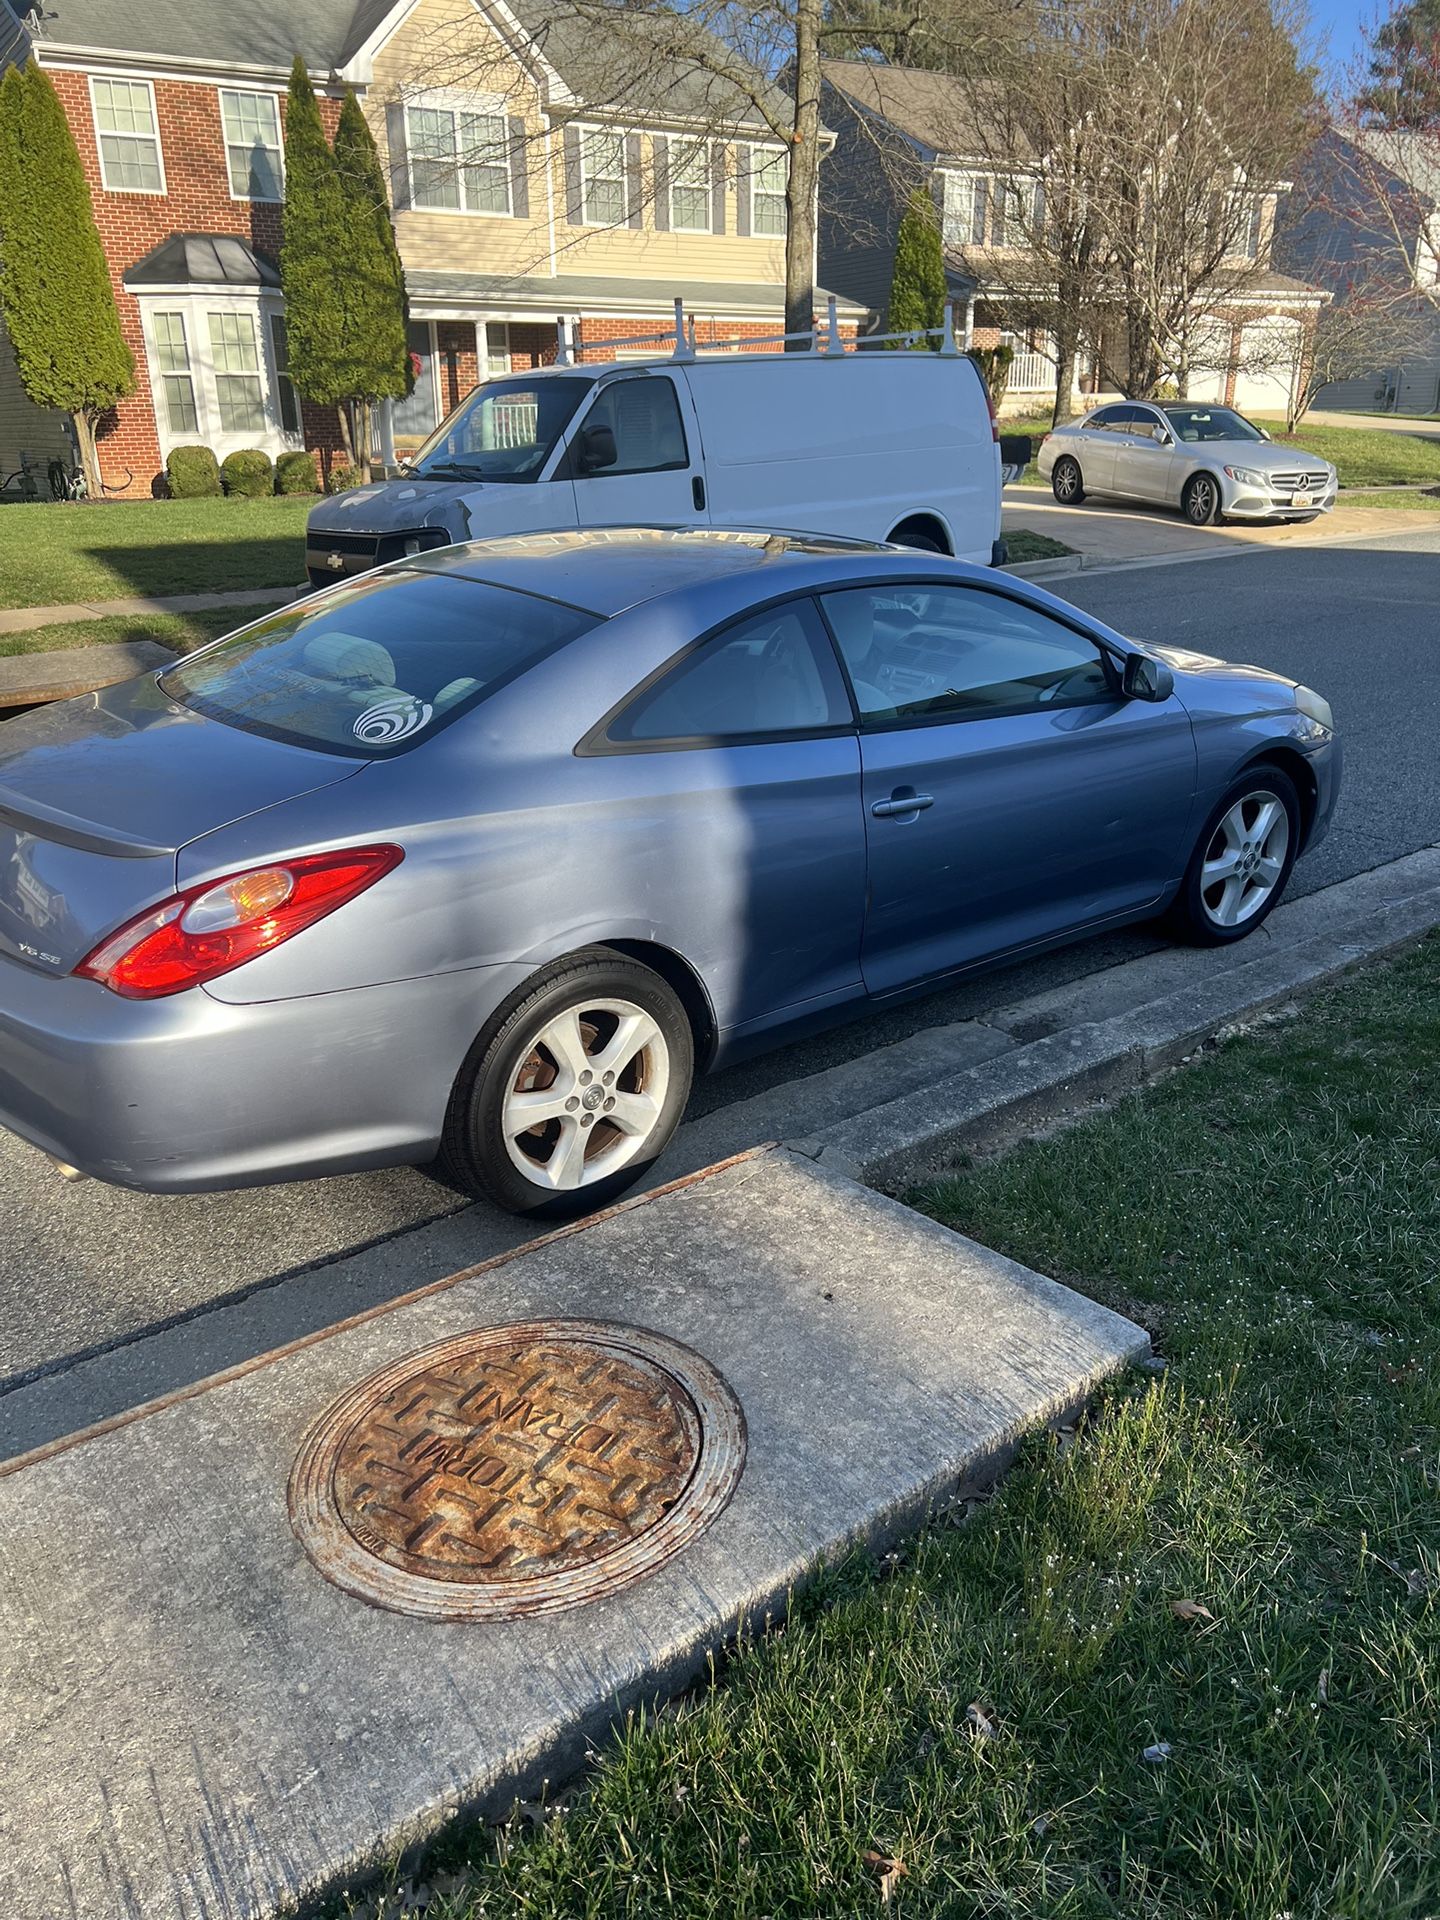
(878, 445)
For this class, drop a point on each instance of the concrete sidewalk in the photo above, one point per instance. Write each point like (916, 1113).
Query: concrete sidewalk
(201, 1723)
(29, 619)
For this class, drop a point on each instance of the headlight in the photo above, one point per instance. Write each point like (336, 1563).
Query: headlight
(1315, 708)
(1247, 477)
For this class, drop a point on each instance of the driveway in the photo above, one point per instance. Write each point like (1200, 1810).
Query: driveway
(86, 1269)
(1113, 530)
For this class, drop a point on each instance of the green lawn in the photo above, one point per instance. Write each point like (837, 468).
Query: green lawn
(182, 633)
(1272, 1214)
(1409, 501)
(1024, 545)
(109, 551)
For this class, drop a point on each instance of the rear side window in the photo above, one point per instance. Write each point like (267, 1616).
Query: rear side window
(369, 670)
(773, 674)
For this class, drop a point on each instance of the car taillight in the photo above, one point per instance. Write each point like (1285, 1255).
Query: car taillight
(209, 930)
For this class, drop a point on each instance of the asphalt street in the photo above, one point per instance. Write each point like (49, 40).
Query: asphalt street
(86, 1270)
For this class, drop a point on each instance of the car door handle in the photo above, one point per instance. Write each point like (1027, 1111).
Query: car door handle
(697, 493)
(899, 804)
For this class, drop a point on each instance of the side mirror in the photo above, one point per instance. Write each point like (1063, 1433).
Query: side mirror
(1145, 678)
(597, 449)
(1163, 439)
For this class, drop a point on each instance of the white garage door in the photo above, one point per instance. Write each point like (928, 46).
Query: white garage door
(1268, 351)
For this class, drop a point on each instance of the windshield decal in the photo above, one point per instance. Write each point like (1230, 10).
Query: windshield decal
(391, 719)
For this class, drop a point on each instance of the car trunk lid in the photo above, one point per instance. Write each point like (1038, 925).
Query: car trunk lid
(97, 796)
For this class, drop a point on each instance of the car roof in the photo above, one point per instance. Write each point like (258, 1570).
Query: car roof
(605, 570)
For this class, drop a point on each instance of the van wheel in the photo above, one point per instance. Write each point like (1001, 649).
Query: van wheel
(917, 536)
(573, 1090)
(1066, 484)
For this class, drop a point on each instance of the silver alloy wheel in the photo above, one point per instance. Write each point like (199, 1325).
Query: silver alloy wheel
(588, 1096)
(1245, 858)
(1202, 499)
(1065, 481)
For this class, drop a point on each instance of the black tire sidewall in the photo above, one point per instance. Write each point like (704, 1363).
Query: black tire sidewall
(1191, 486)
(474, 1150)
(1189, 914)
(1078, 494)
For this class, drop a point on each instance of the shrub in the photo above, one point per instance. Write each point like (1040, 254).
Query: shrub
(994, 365)
(249, 473)
(343, 477)
(192, 473)
(296, 473)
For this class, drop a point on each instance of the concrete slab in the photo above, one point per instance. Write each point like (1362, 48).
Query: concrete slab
(28, 679)
(199, 1726)
(27, 619)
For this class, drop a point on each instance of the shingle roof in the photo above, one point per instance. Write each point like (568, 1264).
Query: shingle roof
(261, 33)
(932, 109)
(638, 70)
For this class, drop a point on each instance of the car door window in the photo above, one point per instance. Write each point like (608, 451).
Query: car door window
(775, 673)
(644, 416)
(960, 653)
(1106, 419)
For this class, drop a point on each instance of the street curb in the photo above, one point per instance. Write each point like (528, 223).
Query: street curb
(986, 1106)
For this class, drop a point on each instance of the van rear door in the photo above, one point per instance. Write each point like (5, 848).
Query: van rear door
(635, 457)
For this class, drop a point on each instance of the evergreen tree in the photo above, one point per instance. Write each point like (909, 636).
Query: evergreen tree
(374, 345)
(917, 288)
(54, 284)
(314, 255)
(1404, 85)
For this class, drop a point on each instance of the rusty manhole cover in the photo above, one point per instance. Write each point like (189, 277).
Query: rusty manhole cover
(517, 1470)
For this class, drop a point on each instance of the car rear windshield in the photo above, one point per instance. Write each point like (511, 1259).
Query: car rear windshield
(371, 669)
(505, 431)
(1211, 423)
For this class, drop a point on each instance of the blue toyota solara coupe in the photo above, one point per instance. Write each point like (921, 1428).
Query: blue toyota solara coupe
(482, 855)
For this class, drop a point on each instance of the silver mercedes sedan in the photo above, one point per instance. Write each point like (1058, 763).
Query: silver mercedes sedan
(483, 854)
(1210, 462)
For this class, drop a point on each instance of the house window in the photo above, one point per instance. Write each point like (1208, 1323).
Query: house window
(252, 145)
(497, 349)
(988, 210)
(767, 190)
(289, 399)
(459, 161)
(602, 165)
(172, 358)
(690, 188)
(239, 389)
(129, 143)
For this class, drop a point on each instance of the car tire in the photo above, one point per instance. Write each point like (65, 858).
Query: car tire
(537, 1045)
(1204, 913)
(1200, 500)
(1066, 482)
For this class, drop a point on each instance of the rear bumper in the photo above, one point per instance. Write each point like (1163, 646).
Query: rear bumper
(190, 1094)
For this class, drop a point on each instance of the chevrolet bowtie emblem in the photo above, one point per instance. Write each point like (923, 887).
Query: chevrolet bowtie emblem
(336, 563)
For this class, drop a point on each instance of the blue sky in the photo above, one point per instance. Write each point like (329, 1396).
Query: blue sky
(1340, 21)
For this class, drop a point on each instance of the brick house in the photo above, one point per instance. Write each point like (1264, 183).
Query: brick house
(536, 173)
(901, 127)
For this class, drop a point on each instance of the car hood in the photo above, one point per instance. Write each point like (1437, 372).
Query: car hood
(1205, 666)
(98, 794)
(466, 509)
(1261, 456)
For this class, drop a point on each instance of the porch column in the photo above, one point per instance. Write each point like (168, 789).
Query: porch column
(969, 321)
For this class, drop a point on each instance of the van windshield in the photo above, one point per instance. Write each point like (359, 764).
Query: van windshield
(505, 431)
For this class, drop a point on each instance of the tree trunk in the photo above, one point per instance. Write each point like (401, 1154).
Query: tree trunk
(347, 436)
(1067, 348)
(803, 179)
(89, 457)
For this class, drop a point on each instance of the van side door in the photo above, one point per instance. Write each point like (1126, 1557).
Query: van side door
(634, 455)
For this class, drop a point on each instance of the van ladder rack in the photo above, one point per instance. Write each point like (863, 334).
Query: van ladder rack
(684, 345)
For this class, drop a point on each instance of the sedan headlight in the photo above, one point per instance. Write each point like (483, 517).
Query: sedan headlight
(1315, 707)
(1248, 477)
